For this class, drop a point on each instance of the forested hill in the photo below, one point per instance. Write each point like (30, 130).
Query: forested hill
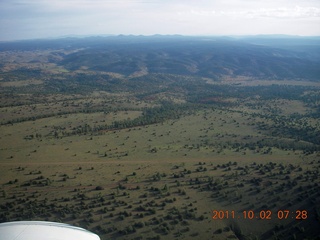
(273, 57)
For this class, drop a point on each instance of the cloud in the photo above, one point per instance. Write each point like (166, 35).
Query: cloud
(295, 12)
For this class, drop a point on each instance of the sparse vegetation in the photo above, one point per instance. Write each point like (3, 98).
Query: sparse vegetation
(151, 156)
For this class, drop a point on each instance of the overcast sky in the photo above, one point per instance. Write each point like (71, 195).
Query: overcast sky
(25, 19)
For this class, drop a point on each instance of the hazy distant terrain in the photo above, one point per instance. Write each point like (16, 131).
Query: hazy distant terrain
(214, 57)
(163, 137)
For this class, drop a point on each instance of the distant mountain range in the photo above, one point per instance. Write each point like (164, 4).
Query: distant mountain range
(263, 57)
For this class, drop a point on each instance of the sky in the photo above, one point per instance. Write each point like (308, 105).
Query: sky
(33, 19)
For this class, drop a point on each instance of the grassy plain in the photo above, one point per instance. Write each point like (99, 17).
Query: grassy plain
(157, 181)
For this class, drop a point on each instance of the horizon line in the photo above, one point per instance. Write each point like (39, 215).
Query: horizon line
(79, 36)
